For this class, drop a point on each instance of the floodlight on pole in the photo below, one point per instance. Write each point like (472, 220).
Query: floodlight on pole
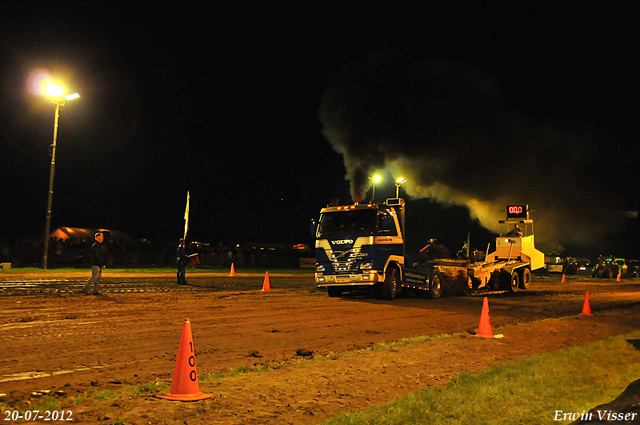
(55, 92)
(399, 181)
(375, 179)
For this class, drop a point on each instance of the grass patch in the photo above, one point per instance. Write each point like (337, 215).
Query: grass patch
(234, 371)
(243, 369)
(524, 391)
(45, 403)
(79, 399)
(239, 370)
(415, 340)
(105, 395)
(146, 389)
(15, 270)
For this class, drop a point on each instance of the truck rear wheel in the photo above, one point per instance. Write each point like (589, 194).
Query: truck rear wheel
(525, 278)
(435, 285)
(391, 284)
(514, 282)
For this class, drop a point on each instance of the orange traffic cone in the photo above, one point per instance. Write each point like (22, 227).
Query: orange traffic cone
(232, 272)
(586, 308)
(564, 280)
(484, 329)
(265, 286)
(618, 278)
(184, 386)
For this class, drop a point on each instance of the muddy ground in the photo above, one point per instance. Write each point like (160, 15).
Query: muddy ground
(54, 338)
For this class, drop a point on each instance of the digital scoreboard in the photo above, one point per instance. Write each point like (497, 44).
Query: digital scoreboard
(517, 211)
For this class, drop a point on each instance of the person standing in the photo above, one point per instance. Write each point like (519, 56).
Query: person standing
(181, 262)
(98, 262)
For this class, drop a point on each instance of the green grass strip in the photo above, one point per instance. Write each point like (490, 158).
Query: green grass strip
(523, 391)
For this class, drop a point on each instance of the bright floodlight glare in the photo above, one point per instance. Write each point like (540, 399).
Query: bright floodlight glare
(72, 96)
(377, 178)
(38, 81)
(54, 90)
(401, 180)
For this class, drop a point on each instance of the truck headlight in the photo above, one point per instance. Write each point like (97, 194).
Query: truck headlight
(319, 268)
(366, 266)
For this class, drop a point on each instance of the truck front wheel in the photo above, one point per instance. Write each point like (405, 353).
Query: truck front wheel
(391, 284)
(435, 285)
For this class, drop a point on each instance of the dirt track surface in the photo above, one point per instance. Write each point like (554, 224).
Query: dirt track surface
(57, 339)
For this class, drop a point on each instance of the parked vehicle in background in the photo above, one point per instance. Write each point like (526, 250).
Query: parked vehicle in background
(633, 268)
(568, 265)
(609, 267)
(578, 266)
(554, 264)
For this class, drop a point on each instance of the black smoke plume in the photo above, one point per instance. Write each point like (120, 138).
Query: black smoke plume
(445, 128)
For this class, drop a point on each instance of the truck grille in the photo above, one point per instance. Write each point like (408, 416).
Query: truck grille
(344, 261)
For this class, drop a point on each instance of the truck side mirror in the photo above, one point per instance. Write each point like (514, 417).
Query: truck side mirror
(313, 228)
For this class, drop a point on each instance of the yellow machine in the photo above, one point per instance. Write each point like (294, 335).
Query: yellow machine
(515, 256)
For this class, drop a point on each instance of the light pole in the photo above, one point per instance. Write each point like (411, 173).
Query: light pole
(56, 93)
(399, 182)
(375, 179)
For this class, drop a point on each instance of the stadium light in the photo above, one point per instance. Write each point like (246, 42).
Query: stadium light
(55, 92)
(399, 181)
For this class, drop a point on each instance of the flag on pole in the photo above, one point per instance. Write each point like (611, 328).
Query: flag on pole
(186, 217)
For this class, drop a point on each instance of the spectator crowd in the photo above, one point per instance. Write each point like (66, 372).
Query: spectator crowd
(25, 252)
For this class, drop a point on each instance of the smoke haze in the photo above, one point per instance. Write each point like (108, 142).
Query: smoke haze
(445, 128)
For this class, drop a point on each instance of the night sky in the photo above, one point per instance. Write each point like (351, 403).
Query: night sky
(225, 100)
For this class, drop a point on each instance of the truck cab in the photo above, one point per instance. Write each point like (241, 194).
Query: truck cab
(355, 244)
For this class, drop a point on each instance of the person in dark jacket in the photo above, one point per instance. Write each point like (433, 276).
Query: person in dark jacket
(181, 262)
(98, 262)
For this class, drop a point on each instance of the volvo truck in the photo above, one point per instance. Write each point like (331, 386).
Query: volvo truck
(364, 246)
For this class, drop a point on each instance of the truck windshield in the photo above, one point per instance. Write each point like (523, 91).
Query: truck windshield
(341, 223)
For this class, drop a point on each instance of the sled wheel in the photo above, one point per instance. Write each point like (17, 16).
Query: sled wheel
(525, 278)
(514, 282)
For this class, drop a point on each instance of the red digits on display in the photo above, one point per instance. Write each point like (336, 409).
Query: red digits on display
(515, 210)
